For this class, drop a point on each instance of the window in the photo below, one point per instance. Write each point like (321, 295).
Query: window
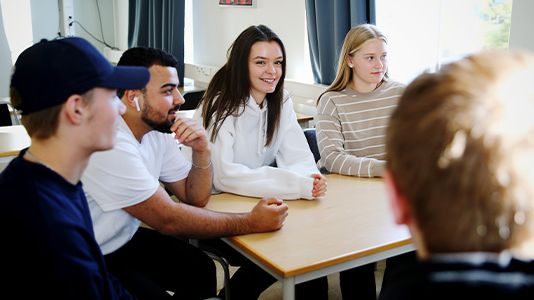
(424, 34)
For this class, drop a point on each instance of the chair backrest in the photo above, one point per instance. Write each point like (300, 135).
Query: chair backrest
(311, 138)
(192, 99)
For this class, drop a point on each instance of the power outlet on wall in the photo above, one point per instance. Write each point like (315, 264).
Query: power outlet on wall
(66, 17)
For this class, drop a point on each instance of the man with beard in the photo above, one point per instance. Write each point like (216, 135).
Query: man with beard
(130, 183)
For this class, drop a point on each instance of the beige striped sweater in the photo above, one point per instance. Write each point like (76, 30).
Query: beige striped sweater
(351, 129)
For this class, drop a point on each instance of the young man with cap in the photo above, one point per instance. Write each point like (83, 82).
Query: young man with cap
(66, 92)
(460, 171)
(124, 188)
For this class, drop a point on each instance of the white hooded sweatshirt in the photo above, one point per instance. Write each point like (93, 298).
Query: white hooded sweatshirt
(241, 161)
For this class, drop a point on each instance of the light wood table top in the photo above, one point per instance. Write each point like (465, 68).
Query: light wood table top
(353, 221)
(12, 140)
(304, 120)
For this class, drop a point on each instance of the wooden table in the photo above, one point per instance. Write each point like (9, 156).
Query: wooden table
(350, 227)
(12, 140)
(304, 120)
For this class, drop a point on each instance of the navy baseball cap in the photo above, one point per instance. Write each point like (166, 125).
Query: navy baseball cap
(49, 72)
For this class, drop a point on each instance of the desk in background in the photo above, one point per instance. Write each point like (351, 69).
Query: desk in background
(12, 140)
(304, 120)
(191, 85)
(9, 115)
(350, 227)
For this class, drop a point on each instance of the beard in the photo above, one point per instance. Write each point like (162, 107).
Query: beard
(164, 127)
(161, 126)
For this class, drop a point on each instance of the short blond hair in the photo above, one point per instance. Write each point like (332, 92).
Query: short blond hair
(460, 147)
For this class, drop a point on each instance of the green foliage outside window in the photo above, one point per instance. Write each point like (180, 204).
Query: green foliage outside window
(497, 16)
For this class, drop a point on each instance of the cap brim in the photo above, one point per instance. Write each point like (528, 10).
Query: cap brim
(127, 77)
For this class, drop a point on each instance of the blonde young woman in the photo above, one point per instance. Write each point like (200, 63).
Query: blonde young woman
(353, 112)
(352, 116)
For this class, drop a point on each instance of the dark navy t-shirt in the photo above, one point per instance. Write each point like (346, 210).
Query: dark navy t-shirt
(48, 245)
(476, 275)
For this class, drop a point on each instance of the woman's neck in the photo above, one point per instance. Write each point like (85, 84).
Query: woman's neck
(259, 98)
(364, 88)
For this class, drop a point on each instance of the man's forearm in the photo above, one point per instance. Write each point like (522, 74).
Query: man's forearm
(199, 180)
(196, 222)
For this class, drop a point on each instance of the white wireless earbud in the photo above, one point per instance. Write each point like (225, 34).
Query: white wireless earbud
(136, 101)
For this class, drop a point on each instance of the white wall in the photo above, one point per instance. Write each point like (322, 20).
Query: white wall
(45, 19)
(86, 13)
(5, 61)
(45, 25)
(216, 27)
(522, 23)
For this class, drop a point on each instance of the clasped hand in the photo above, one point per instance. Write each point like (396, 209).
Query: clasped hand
(319, 186)
(190, 133)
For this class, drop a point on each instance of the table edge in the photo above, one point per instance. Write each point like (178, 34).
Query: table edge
(317, 266)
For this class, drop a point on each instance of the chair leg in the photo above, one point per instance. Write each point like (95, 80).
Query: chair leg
(226, 270)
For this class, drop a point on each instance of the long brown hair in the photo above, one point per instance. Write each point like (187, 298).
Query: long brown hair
(229, 89)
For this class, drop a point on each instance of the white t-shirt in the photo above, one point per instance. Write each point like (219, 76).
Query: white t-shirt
(126, 175)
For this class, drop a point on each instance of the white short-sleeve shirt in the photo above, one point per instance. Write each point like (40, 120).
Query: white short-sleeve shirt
(127, 175)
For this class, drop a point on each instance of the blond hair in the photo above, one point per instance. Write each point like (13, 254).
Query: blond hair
(354, 40)
(460, 147)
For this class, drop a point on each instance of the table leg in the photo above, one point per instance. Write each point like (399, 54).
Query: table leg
(288, 288)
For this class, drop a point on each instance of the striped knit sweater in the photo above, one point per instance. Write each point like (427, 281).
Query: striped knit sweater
(351, 129)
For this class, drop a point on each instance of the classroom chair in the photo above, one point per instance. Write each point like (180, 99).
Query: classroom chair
(311, 138)
(192, 99)
(221, 260)
(5, 116)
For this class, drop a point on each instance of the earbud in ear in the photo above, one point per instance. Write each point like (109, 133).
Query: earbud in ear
(136, 101)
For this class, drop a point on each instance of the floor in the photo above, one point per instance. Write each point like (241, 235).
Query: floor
(275, 291)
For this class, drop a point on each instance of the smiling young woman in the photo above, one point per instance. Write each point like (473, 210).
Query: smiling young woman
(253, 127)
(258, 148)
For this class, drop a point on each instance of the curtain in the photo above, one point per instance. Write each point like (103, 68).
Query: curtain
(328, 21)
(158, 24)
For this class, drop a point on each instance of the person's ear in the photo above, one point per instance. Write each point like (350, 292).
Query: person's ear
(132, 99)
(349, 62)
(75, 109)
(136, 101)
(400, 206)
